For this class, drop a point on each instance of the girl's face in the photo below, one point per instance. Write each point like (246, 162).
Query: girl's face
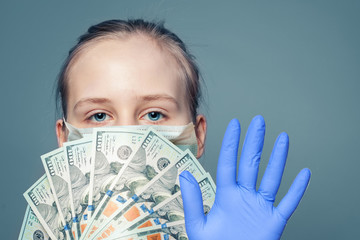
(126, 82)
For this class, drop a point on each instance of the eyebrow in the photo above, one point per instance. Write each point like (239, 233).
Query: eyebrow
(91, 100)
(156, 97)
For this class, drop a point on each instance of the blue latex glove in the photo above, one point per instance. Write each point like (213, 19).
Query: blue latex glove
(239, 211)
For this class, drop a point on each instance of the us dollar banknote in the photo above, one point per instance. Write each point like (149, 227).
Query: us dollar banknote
(153, 154)
(57, 171)
(166, 221)
(183, 137)
(111, 150)
(171, 210)
(171, 231)
(121, 182)
(31, 228)
(78, 156)
(158, 190)
(42, 202)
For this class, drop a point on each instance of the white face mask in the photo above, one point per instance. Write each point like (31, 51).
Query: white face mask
(183, 137)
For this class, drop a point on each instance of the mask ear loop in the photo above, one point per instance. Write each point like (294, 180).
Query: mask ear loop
(72, 130)
(64, 124)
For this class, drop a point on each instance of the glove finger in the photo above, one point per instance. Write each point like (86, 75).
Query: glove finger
(272, 177)
(226, 171)
(251, 153)
(192, 199)
(292, 199)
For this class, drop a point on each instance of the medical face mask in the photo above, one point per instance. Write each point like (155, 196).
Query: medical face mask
(183, 137)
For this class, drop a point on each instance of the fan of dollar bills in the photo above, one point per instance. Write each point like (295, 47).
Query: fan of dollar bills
(118, 183)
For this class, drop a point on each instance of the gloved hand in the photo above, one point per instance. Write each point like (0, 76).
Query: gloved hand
(239, 211)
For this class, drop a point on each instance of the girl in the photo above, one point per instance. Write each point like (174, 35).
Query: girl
(137, 73)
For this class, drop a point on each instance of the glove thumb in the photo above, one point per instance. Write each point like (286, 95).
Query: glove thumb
(192, 200)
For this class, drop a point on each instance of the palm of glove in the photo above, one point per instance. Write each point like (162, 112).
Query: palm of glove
(240, 211)
(246, 215)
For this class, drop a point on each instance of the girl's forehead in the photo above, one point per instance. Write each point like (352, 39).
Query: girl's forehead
(122, 66)
(133, 48)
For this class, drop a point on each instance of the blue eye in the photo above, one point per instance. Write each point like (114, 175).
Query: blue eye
(154, 116)
(99, 117)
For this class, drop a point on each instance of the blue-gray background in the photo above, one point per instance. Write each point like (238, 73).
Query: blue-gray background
(294, 62)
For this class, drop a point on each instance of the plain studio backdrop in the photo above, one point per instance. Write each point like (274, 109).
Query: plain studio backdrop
(294, 62)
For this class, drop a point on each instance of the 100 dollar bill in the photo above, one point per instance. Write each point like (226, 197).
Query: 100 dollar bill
(78, 157)
(158, 190)
(153, 155)
(42, 202)
(171, 231)
(172, 209)
(167, 220)
(111, 150)
(57, 171)
(31, 227)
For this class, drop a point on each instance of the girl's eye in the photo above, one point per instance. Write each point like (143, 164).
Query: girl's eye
(99, 117)
(154, 116)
